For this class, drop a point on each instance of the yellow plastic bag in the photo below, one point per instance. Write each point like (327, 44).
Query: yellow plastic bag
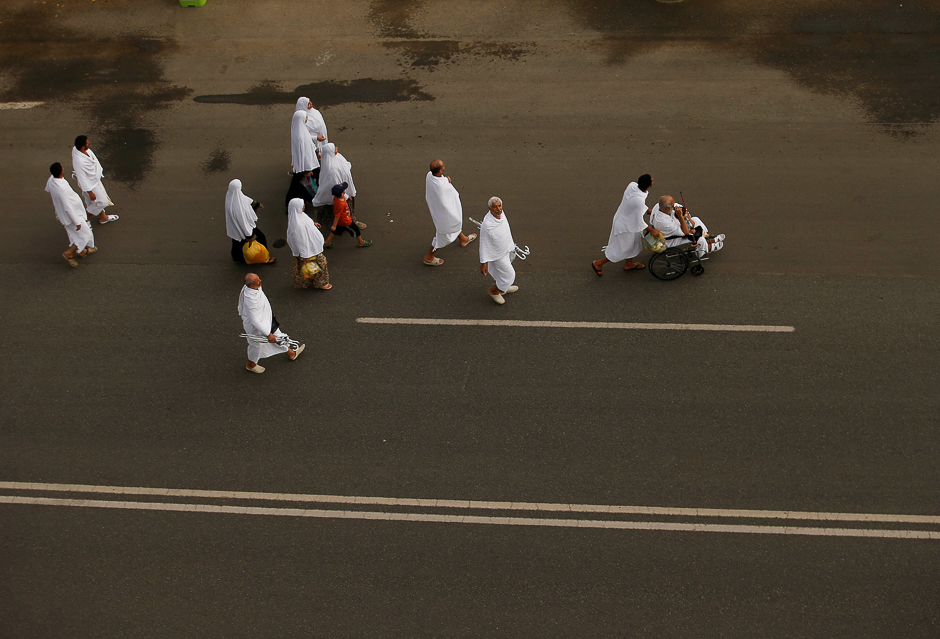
(654, 243)
(255, 253)
(310, 270)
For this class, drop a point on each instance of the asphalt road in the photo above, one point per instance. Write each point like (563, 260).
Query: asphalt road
(805, 131)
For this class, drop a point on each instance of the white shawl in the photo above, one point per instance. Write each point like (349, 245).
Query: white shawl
(444, 203)
(88, 172)
(345, 175)
(315, 123)
(495, 238)
(330, 176)
(255, 310)
(629, 216)
(302, 151)
(68, 204)
(240, 218)
(302, 234)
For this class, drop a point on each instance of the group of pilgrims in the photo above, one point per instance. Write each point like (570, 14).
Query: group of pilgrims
(322, 186)
(75, 212)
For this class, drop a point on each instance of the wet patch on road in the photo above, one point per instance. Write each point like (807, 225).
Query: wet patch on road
(432, 53)
(393, 18)
(327, 93)
(218, 162)
(116, 81)
(883, 55)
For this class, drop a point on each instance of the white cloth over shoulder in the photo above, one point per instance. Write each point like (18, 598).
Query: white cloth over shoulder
(331, 174)
(626, 233)
(303, 237)
(444, 203)
(495, 238)
(257, 317)
(302, 150)
(88, 174)
(240, 218)
(67, 203)
(70, 213)
(345, 175)
(316, 125)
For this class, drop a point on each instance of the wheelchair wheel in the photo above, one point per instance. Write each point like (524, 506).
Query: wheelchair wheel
(669, 264)
(698, 269)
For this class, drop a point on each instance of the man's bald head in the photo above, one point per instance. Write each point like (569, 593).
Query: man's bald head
(666, 202)
(252, 281)
(437, 166)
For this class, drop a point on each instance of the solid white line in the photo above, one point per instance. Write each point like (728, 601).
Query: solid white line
(18, 105)
(475, 519)
(476, 505)
(550, 324)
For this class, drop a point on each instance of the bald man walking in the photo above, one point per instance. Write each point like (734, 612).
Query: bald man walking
(258, 321)
(446, 211)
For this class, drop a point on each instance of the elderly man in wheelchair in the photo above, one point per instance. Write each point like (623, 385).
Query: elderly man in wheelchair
(679, 227)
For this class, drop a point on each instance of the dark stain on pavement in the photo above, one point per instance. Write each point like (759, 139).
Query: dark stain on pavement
(328, 93)
(218, 162)
(393, 18)
(432, 53)
(883, 54)
(116, 81)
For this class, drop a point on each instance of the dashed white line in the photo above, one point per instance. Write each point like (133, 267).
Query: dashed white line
(475, 519)
(755, 328)
(6, 106)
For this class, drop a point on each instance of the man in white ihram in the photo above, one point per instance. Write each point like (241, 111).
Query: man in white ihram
(258, 319)
(71, 214)
(446, 211)
(497, 250)
(675, 224)
(626, 233)
(88, 174)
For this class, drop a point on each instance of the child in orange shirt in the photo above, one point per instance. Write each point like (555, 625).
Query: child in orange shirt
(342, 218)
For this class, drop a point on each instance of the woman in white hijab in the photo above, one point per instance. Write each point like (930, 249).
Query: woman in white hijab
(306, 243)
(241, 220)
(315, 123)
(302, 150)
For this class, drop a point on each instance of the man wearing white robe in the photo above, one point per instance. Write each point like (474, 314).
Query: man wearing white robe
(257, 319)
(88, 174)
(497, 251)
(675, 226)
(446, 211)
(626, 233)
(303, 152)
(71, 214)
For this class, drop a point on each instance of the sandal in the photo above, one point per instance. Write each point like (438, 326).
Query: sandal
(435, 261)
(325, 288)
(366, 244)
(636, 265)
(111, 218)
(91, 250)
(470, 238)
(330, 245)
(70, 260)
(361, 225)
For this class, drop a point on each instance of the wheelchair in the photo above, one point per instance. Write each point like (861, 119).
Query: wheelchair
(674, 262)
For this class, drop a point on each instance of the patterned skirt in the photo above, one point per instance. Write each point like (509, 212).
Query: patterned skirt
(320, 280)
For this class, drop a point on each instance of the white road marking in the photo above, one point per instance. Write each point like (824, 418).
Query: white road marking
(796, 515)
(550, 324)
(476, 519)
(4, 106)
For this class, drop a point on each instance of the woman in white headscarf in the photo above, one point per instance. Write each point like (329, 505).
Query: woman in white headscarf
(302, 150)
(306, 243)
(315, 123)
(241, 221)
